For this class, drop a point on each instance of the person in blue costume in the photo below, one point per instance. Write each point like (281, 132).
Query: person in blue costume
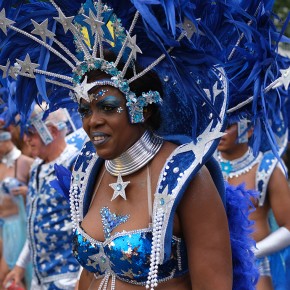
(264, 174)
(14, 175)
(257, 135)
(148, 202)
(49, 227)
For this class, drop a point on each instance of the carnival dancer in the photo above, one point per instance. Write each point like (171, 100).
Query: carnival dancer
(147, 212)
(14, 175)
(48, 245)
(264, 174)
(257, 135)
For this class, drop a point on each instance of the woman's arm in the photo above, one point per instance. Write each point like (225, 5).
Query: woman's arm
(279, 197)
(85, 280)
(205, 229)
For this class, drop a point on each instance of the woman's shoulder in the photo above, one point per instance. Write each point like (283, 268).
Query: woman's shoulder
(164, 153)
(25, 160)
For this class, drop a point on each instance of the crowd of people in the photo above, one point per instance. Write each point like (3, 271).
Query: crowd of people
(176, 180)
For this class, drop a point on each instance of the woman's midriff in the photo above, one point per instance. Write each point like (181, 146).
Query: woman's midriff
(180, 283)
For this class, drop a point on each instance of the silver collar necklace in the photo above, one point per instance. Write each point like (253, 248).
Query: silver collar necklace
(239, 166)
(136, 157)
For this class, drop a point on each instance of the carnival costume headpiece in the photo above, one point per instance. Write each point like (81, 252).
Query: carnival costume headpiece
(259, 80)
(176, 39)
(166, 48)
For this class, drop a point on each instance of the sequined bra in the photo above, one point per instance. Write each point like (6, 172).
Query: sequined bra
(127, 256)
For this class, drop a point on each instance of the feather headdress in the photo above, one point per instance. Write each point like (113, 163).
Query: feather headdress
(176, 39)
(258, 78)
(160, 37)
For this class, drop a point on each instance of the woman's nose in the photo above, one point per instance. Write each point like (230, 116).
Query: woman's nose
(96, 118)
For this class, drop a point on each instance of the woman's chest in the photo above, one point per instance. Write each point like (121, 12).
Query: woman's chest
(6, 171)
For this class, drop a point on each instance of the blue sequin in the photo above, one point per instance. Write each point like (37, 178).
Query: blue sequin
(111, 220)
(127, 254)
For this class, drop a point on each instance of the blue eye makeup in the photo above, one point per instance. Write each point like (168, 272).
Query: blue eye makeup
(84, 110)
(109, 104)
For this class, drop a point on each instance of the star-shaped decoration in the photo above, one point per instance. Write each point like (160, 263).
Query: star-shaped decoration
(43, 256)
(13, 71)
(131, 43)
(129, 273)
(119, 187)
(96, 24)
(5, 68)
(53, 239)
(27, 66)
(81, 90)
(216, 92)
(190, 28)
(285, 77)
(52, 247)
(203, 140)
(127, 255)
(66, 22)
(4, 22)
(41, 30)
(41, 236)
(99, 259)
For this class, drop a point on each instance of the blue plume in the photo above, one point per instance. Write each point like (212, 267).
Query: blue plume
(62, 183)
(238, 208)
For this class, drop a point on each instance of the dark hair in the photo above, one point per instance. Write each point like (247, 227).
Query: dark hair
(149, 81)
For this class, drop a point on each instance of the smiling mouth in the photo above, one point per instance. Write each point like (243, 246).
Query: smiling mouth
(100, 139)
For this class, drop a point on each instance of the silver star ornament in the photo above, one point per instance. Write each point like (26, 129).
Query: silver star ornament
(5, 69)
(285, 77)
(132, 44)
(96, 24)
(119, 187)
(41, 30)
(66, 22)
(27, 66)
(4, 22)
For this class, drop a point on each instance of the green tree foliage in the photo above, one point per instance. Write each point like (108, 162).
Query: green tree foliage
(282, 8)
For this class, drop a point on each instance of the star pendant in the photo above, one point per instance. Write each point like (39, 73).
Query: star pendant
(119, 187)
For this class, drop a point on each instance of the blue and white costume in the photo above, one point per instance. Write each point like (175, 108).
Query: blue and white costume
(108, 259)
(49, 227)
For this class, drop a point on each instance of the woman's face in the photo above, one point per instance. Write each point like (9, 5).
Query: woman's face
(228, 142)
(106, 122)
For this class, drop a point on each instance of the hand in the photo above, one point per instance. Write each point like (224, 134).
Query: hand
(20, 190)
(15, 275)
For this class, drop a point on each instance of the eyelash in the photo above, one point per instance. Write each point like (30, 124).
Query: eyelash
(86, 111)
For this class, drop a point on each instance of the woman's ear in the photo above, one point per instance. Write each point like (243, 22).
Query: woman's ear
(250, 132)
(147, 112)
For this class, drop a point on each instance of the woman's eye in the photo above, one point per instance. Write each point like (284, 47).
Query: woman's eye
(84, 112)
(108, 108)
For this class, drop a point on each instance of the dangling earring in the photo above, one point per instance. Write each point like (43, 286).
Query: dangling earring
(242, 131)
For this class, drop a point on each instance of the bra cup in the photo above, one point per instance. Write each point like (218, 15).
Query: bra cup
(127, 255)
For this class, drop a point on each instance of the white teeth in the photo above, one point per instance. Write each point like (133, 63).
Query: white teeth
(99, 138)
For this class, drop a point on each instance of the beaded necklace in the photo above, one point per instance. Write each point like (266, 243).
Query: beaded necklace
(239, 166)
